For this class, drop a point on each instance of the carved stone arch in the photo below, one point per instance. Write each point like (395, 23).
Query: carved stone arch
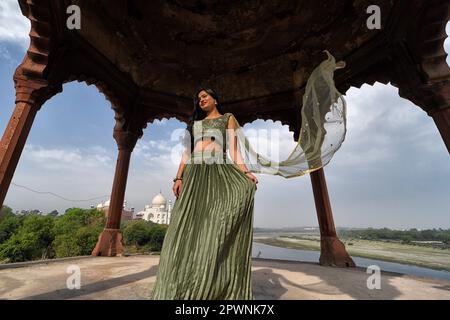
(118, 88)
(166, 115)
(420, 71)
(408, 50)
(41, 36)
(266, 116)
(117, 105)
(421, 59)
(283, 106)
(32, 77)
(157, 106)
(409, 54)
(277, 120)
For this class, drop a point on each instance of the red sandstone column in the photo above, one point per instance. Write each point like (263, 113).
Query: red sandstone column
(110, 240)
(441, 118)
(13, 141)
(332, 250)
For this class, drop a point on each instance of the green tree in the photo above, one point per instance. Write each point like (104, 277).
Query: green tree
(406, 238)
(144, 235)
(77, 231)
(65, 245)
(157, 234)
(33, 240)
(54, 213)
(9, 225)
(87, 237)
(136, 233)
(5, 211)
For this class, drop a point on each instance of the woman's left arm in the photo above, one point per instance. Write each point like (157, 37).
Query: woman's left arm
(234, 150)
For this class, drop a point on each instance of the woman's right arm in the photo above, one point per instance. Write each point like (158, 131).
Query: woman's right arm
(178, 183)
(182, 165)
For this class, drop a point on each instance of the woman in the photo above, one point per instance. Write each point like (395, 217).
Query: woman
(206, 253)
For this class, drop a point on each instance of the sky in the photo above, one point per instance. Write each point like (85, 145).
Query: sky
(392, 170)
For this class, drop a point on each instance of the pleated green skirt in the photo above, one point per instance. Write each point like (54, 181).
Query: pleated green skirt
(206, 254)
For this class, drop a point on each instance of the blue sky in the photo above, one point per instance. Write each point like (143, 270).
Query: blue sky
(393, 169)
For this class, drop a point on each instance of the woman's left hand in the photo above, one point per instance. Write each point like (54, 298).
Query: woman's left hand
(252, 177)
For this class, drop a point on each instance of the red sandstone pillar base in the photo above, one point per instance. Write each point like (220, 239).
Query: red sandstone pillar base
(109, 244)
(333, 253)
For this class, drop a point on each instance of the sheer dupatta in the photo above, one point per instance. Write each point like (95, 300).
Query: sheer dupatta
(322, 132)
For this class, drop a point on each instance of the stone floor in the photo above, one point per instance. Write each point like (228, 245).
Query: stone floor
(133, 277)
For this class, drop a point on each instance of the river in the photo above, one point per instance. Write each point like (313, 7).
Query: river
(270, 252)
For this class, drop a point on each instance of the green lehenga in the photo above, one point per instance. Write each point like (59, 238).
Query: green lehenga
(206, 253)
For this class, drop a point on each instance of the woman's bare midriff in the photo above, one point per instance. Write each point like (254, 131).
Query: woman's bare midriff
(207, 145)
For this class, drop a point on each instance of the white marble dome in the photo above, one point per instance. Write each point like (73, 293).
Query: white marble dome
(103, 204)
(159, 201)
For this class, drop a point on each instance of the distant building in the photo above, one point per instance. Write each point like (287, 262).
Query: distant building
(27, 212)
(127, 214)
(159, 211)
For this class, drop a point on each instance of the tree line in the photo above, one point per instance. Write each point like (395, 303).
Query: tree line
(442, 235)
(34, 236)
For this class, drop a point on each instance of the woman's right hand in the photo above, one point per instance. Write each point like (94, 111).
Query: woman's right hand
(177, 188)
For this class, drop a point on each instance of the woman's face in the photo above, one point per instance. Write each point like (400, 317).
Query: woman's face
(206, 101)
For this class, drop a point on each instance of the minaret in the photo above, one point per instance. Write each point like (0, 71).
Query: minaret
(169, 211)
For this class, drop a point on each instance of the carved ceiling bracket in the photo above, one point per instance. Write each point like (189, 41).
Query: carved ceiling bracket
(117, 87)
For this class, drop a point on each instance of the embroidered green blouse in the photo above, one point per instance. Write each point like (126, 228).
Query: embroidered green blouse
(214, 129)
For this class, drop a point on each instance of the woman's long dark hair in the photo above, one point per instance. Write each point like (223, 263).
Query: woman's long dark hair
(199, 114)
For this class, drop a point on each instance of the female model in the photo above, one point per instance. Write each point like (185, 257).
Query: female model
(206, 252)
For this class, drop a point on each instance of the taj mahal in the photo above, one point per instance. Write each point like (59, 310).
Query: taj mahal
(159, 211)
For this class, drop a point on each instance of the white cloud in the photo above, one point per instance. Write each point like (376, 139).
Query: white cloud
(271, 139)
(6, 57)
(4, 54)
(14, 27)
(158, 163)
(72, 159)
(381, 127)
(71, 173)
(147, 147)
(371, 156)
(157, 154)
